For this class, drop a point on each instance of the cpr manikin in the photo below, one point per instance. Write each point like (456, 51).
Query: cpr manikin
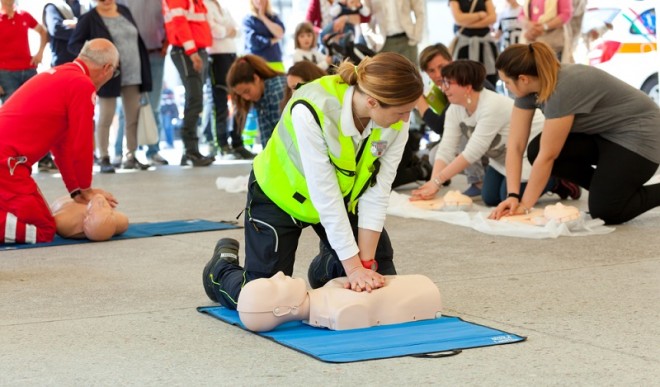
(266, 303)
(554, 212)
(96, 221)
(451, 201)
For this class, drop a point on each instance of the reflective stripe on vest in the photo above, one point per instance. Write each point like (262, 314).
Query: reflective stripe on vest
(278, 168)
(189, 14)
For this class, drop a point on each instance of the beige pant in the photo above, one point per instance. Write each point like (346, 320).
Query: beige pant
(130, 98)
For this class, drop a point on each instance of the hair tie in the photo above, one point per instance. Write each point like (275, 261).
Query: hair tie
(355, 68)
(531, 48)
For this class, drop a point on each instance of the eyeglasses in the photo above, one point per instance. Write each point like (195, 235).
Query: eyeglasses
(446, 83)
(115, 73)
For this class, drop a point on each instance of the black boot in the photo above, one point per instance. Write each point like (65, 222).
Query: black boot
(196, 159)
(226, 251)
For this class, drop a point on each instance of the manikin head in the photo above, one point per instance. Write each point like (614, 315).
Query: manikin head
(285, 302)
(101, 221)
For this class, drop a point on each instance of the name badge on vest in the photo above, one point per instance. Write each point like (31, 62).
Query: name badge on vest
(378, 148)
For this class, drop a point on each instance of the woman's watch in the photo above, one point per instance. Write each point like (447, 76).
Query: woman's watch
(370, 264)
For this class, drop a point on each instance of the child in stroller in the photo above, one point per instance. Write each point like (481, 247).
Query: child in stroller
(348, 50)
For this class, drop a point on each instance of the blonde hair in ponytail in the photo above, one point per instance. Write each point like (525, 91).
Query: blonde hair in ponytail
(388, 77)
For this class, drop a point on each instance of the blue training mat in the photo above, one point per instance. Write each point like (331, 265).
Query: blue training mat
(139, 230)
(425, 337)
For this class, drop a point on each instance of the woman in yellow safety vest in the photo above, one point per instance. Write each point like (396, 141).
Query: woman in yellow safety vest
(329, 164)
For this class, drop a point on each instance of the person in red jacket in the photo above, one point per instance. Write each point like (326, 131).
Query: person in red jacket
(62, 123)
(189, 34)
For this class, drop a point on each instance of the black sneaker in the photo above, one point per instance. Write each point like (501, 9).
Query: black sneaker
(106, 167)
(47, 164)
(324, 267)
(244, 153)
(226, 251)
(565, 188)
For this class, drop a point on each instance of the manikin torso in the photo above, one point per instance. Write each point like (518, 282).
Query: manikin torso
(268, 302)
(404, 298)
(96, 221)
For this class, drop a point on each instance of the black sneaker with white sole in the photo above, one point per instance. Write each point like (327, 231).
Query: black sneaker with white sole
(226, 252)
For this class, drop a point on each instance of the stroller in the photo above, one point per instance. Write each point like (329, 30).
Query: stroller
(342, 47)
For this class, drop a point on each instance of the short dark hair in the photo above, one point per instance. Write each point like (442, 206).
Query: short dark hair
(466, 72)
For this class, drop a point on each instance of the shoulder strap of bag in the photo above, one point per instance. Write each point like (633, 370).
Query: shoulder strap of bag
(472, 6)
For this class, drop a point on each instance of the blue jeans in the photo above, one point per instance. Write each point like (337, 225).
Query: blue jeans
(193, 83)
(494, 189)
(11, 80)
(157, 65)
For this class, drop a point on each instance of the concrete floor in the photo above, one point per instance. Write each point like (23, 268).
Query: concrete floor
(123, 313)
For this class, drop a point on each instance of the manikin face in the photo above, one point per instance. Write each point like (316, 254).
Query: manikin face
(385, 117)
(434, 69)
(280, 295)
(252, 91)
(306, 40)
(293, 80)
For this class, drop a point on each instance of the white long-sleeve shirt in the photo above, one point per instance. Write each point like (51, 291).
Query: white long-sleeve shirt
(487, 130)
(220, 21)
(322, 179)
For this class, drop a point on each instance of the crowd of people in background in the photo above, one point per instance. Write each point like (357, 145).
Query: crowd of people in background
(254, 82)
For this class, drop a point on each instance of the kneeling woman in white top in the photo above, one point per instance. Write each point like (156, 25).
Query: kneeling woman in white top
(482, 116)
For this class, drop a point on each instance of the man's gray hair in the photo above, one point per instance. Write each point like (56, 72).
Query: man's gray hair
(98, 53)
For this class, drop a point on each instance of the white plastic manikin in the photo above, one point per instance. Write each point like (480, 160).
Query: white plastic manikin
(96, 221)
(557, 212)
(266, 303)
(451, 201)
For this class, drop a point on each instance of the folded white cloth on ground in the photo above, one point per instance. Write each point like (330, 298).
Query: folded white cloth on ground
(477, 219)
(233, 184)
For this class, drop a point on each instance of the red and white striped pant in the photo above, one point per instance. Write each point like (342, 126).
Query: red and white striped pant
(24, 214)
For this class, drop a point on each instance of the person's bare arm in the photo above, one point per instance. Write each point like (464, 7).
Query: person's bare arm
(274, 28)
(43, 35)
(521, 123)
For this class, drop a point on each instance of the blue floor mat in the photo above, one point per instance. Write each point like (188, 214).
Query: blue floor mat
(139, 230)
(445, 336)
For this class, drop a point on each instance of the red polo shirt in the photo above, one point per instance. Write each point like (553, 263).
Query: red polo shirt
(14, 45)
(53, 111)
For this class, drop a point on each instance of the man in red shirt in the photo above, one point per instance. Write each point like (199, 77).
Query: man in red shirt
(54, 112)
(17, 64)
